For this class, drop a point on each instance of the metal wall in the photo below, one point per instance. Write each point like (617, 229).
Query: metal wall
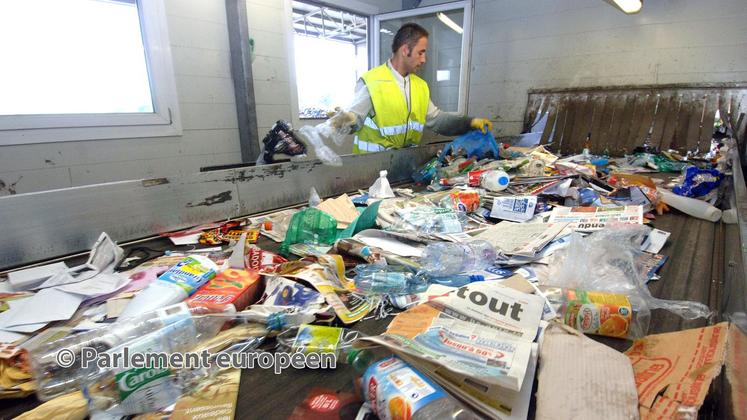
(620, 118)
(44, 225)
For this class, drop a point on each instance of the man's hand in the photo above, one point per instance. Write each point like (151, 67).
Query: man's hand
(481, 124)
(341, 120)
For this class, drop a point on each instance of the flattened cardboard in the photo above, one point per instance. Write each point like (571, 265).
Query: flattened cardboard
(581, 379)
(674, 370)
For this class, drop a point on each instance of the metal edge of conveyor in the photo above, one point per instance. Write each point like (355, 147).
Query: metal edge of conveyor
(732, 397)
(43, 225)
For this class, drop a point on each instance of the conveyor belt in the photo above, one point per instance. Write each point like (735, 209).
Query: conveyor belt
(694, 264)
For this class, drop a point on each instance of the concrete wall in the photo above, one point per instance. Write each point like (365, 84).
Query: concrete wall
(200, 50)
(518, 45)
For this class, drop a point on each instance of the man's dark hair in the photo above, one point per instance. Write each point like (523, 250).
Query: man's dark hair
(410, 34)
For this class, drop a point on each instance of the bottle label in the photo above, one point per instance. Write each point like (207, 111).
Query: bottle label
(317, 339)
(396, 391)
(598, 313)
(140, 390)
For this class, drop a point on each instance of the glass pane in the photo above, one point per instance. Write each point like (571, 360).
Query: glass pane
(331, 54)
(442, 69)
(72, 57)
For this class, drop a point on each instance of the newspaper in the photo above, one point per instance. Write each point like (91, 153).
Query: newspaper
(589, 219)
(522, 239)
(482, 332)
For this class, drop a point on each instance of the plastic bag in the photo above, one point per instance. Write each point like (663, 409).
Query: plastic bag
(698, 182)
(314, 199)
(313, 135)
(310, 226)
(607, 261)
(280, 139)
(665, 165)
(474, 143)
(381, 187)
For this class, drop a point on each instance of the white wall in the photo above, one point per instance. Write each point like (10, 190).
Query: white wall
(200, 50)
(518, 45)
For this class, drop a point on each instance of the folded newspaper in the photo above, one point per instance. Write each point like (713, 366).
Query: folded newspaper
(478, 337)
(522, 239)
(589, 219)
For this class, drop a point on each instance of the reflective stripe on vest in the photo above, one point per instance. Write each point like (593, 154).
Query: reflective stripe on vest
(392, 126)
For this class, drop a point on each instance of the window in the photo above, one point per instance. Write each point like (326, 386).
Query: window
(85, 69)
(331, 54)
(446, 66)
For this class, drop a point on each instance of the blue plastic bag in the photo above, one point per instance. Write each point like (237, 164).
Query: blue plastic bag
(474, 143)
(698, 182)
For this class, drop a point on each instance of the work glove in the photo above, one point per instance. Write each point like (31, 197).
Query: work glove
(481, 124)
(342, 121)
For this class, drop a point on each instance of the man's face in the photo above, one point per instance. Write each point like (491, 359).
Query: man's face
(416, 56)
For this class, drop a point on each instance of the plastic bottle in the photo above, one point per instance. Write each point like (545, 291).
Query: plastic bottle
(691, 206)
(494, 180)
(425, 174)
(458, 280)
(54, 380)
(380, 187)
(173, 286)
(396, 390)
(600, 313)
(587, 147)
(375, 279)
(310, 338)
(447, 259)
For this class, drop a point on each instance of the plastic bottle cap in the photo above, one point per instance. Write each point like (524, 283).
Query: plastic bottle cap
(502, 180)
(476, 277)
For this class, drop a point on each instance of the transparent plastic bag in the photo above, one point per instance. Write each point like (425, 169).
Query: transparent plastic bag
(314, 136)
(607, 261)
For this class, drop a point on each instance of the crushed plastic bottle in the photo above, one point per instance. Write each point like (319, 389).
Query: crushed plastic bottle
(375, 279)
(442, 259)
(396, 390)
(54, 380)
(310, 338)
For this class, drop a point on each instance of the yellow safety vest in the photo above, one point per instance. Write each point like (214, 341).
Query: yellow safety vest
(394, 124)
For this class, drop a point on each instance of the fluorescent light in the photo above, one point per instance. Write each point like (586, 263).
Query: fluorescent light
(443, 75)
(450, 23)
(629, 6)
(386, 31)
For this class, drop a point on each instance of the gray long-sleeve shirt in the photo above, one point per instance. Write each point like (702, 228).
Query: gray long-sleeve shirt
(441, 122)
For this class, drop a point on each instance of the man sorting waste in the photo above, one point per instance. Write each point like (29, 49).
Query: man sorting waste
(392, 104)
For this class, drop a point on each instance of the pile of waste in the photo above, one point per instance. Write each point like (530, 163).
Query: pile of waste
(493, 269)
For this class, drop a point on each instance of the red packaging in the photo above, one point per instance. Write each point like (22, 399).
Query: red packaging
(230, 287)
(256, 259)
(327, 404)
(473, 177)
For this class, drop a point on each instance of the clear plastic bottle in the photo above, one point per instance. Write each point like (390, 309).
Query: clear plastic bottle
(600, 313)
(309, 338)
(54, 380)
(447, 259)
(457, 280)
(397, 390)
(377, 279)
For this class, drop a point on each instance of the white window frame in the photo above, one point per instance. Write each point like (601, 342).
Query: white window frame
(163, 121)
(466, 40)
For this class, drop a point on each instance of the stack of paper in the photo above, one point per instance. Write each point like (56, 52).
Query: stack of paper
(521, 239)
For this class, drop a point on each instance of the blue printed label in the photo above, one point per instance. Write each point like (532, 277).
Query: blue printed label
(397, 391)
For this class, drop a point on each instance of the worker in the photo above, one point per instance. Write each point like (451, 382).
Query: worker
(392, 104)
